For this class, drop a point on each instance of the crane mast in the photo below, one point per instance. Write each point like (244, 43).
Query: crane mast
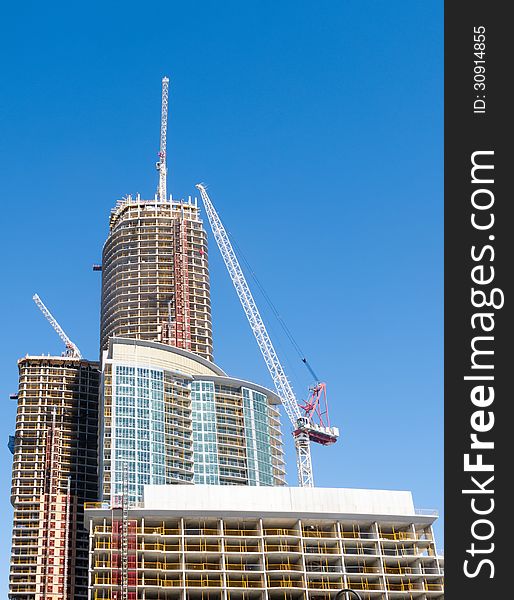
(161, 164)
(282, 384)
(71, 348)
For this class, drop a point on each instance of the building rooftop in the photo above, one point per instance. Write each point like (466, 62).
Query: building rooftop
(266, 502)
(189, 364)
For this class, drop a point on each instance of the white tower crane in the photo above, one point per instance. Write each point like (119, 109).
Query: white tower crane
(71, 348)
(305, 430)
(161, 164)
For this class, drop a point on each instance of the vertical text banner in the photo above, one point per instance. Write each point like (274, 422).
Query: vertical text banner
(479, 253)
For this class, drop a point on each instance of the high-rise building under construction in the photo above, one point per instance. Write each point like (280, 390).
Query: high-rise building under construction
(168, 413)
(151, 437)
(155, 275)
(54, 472)
(219, 543)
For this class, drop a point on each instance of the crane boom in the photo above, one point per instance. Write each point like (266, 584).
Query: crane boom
(71, 348)
(161, 165)
(284, 389)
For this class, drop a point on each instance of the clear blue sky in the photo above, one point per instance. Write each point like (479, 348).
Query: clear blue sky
(318, 128)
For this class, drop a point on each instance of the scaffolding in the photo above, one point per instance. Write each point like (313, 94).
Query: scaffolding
(50, 491)
(180, 332)
(123, 546)
(56, 509)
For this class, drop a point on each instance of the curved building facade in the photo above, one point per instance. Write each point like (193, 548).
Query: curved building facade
(170, 416)
(155, 276)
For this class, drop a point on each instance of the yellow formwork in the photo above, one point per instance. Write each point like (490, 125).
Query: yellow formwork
(204, 581)
(201, 546)
(163, 566)
(364, 584)
(429, 586)
(201, 566)
(285, 582)
(355, 532)
(284, 566)
(281, 548)
(322, 548)
(326, 584)
(242, 547)
(397, 535)
(280, 532)
(244, 582)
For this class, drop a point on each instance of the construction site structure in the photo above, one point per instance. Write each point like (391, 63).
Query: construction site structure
(54, 472)
(306, 428)
(123, 545)
(169, 416)
(155, 275)
(220, 543)
(161, 164)
(181, 466)
(71, 348)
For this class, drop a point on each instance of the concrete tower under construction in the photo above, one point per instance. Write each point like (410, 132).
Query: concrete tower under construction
(155, 275)
(54, 472)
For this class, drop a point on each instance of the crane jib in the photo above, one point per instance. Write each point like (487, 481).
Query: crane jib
(304, 431)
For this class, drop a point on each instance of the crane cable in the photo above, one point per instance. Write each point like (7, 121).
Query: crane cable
(274, 309)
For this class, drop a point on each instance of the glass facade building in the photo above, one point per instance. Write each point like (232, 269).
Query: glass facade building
(231, 443)
(139, 424)
(258, 442)
(170, 416)
(205, 450)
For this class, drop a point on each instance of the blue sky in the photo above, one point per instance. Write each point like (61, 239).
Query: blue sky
(318, 128)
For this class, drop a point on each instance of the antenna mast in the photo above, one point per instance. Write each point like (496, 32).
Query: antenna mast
(161, 164)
